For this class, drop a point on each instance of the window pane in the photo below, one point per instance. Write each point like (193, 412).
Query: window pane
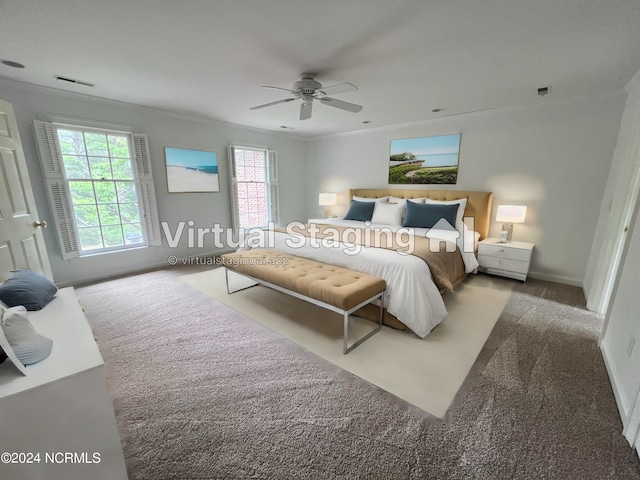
(71, 142)
(112, 236)
(132, 234)
(105, 192)
(82, 192)
(86, 216)
(96, 144)
(75, 166)
(122, 168)
(109, 214)
(130, 213)
(90, 238)
(106, 212)
(118, 146)
(126, 192)
(100, 167)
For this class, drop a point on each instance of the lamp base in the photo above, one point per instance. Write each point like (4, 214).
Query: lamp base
(506, 233)
(326, 213)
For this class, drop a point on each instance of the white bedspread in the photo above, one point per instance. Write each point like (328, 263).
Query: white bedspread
(411, 295)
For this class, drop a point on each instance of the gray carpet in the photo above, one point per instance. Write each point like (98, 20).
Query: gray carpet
(202, 393)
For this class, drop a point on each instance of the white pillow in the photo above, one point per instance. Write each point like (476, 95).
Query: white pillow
(26, 343)
(388, 213)
(364, 199)
(462, 202)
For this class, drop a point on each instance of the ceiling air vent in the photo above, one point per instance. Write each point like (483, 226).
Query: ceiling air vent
(73, 80)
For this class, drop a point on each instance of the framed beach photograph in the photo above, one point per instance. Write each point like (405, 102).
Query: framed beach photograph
(191, 170)
(425, 160)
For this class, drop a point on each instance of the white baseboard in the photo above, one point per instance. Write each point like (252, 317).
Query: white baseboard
(144, 268)
(556, 278)
(623, 409)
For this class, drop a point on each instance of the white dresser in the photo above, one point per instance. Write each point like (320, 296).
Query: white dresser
(510, 259)
(58, 420)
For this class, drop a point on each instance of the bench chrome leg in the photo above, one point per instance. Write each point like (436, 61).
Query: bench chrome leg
(226, 278)
(345, 341)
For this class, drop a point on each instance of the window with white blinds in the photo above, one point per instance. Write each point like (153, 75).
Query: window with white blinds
(100, 188)
(254, 180)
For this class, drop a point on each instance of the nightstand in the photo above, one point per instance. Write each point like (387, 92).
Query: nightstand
(509, 259)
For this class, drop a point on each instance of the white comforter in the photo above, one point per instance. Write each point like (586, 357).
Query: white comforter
(411, 294)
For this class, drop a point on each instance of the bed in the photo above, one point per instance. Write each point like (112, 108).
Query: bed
(414, 294)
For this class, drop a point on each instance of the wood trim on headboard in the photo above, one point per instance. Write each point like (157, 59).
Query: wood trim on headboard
(478, 203)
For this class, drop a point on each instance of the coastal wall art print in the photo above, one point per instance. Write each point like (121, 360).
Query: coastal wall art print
(191, 170)
(425, 160)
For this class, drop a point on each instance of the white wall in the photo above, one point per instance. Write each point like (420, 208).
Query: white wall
(615, 209)
(621, 209)
(553, 157)
(623, 322)
(163, 129)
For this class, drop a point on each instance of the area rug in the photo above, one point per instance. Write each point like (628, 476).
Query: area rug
(424, 372)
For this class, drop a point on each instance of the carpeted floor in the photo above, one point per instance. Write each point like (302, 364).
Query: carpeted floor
(425, 372)
(201, 392)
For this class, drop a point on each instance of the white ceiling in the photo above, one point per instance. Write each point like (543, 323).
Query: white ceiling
(408, 57)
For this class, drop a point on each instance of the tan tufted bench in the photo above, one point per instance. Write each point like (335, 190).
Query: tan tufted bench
(335, 288)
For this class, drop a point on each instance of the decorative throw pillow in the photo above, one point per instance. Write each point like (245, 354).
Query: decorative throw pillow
(362, 211)
(388, 213)
(459, 216)
(430, 216)
(403, 201)
(366, 199)
(27, 288)
(27, 344)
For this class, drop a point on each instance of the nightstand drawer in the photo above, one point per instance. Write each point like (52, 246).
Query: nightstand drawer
(503, 252)
(517, 266)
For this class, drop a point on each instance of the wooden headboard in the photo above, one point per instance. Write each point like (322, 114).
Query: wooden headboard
(478, 203)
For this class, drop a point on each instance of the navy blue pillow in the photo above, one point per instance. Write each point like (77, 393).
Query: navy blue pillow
(27, 288)
(429, 215)
(362, 211)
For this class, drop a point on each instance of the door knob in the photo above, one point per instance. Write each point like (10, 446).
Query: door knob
(41, 224)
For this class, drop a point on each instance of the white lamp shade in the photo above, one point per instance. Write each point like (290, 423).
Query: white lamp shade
(511, 213)
(327, 199)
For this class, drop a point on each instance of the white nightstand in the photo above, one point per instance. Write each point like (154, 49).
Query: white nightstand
(510, 259)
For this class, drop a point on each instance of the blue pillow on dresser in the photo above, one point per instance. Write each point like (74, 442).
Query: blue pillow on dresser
(27, 288)
(426, 215)
(361, 211)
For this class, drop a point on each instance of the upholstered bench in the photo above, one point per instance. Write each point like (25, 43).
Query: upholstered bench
(335, 288)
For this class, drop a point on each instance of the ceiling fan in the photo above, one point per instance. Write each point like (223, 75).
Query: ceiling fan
(307, 89)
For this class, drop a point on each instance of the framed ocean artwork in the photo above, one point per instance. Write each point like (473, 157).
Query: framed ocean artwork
(191, 170)
(425, 160)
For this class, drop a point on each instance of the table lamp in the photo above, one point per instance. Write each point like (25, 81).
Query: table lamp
(327, 200)
(508, 215)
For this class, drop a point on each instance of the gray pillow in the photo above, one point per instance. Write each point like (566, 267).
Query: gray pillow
(361, 211)
(29, 346)
(430, 215)
(27, 288)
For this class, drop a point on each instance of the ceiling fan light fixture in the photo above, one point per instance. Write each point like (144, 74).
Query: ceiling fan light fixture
(307, 89)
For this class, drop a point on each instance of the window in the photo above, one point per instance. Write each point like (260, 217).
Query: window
(255, 187)
(100, 188)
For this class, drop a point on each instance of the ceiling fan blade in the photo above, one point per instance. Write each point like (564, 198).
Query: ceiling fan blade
(278, 88)
(332, 102)
(273, 103)
(305, 110)
(339, 88)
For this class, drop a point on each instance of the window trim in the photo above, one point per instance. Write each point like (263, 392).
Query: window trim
(145, 243)
(271, 174)
(59, 195)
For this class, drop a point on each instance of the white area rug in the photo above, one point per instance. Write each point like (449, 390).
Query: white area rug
(424, 372)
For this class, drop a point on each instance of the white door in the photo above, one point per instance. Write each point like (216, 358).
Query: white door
(21, 242)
